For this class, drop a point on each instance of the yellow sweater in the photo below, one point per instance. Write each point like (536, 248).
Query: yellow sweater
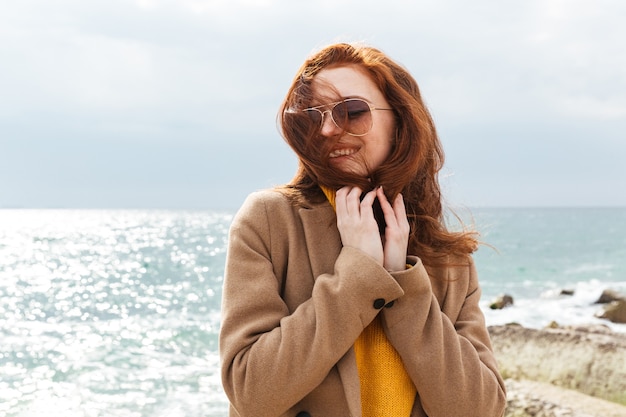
(386, 389)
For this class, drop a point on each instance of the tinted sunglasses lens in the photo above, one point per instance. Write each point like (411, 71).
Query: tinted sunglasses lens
(314, 115)
(353, 116)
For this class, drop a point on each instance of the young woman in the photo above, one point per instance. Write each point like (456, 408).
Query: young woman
(344, 293)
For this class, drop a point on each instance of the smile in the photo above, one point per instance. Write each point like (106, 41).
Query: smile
(342, 152)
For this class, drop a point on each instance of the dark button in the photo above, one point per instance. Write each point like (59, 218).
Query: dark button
(303, 414)
(379, 303)
(390, 304)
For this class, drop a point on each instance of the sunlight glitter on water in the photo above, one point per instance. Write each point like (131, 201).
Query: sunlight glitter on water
(110, 312)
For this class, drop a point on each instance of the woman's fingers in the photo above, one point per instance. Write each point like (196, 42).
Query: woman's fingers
(398, 219)
(396, 232)
(400, 211)
(388, 210)
(358, 228)
(366, 204)
(341, 198)
(394, 215)
(356, 223)
(348, 201)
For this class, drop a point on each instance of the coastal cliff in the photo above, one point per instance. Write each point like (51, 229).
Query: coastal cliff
(577, 371)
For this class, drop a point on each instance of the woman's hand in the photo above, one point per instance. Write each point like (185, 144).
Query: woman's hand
(356, 223)
(396, 233)
(358, 228)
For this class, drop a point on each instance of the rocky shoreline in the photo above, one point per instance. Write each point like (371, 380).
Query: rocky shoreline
(574, 371)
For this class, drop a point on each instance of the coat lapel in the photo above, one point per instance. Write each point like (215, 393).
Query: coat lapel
(349, 374)
(324, 245)
(322, 238)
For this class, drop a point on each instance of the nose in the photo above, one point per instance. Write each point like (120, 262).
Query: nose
(329, 127)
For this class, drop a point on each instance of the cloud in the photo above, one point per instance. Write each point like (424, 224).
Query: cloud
(524, 90)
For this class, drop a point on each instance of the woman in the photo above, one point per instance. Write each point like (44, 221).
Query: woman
(344, 293)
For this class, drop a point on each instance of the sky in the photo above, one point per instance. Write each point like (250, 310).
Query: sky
(172, 104)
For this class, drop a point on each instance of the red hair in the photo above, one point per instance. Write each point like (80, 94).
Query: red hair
(412, 166)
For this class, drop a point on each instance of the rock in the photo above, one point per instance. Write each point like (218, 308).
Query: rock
(614, 311)
(501, 302)
(592, 361)
(590, 328)
(609, 296)
(567, 291)
(539, 399)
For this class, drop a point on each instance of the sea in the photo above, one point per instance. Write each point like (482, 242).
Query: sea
(117, 312)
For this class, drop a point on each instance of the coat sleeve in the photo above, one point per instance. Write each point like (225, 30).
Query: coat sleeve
(271, 358)
(450, 360)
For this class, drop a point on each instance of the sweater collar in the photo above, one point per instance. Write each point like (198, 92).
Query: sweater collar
(330, 195)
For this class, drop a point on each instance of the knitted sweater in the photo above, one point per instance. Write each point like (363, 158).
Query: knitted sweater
(386, 388)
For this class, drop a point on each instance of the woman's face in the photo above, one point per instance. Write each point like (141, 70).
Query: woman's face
(356, 154)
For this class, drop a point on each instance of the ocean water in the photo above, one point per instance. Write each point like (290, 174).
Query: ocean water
(116, 313)
(110, 313)
(535, 254)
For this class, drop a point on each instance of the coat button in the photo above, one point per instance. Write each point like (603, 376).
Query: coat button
(390, 304)
(303, 414)
(379, 303)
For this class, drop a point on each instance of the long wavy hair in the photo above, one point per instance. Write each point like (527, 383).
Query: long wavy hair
(414, 162)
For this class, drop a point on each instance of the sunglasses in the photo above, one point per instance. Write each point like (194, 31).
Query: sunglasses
(352, 115)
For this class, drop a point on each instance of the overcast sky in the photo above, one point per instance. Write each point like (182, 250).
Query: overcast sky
(172, 103)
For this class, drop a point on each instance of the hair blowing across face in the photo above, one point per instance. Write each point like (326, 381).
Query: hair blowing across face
(411, 168)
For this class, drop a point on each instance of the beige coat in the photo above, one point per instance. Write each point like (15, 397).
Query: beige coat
(295, 301)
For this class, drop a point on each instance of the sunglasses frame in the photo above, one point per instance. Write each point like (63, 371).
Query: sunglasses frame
(335, 104)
